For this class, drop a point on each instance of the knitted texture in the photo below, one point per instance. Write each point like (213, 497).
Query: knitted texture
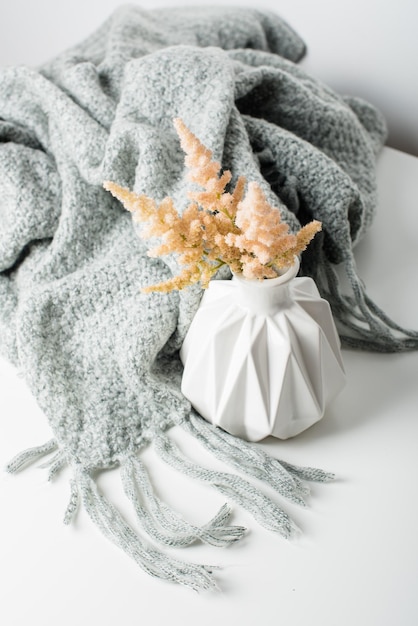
(100, 357)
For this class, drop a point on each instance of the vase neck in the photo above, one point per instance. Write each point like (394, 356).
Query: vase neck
(262, 297)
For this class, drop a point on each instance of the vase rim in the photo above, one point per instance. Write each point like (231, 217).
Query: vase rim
(288, 274)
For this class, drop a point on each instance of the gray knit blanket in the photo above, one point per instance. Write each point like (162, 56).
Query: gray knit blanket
(100, 357)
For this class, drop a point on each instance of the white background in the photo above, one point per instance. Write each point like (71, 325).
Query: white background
(356, 561)
(367, 48)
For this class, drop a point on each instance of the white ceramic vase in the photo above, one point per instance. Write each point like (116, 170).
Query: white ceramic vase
(262, 357)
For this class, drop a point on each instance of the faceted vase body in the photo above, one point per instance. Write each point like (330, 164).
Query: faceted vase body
(262, 357)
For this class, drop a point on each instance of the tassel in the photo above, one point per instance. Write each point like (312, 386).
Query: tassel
(371, 328)
(177, 532)
(55, 464)
(73, 504)
(156, 563)
(263, 509)
(313, 474)
(29, 456)
(253, 461)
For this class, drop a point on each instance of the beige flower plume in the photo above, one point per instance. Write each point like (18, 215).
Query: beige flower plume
(218, 227)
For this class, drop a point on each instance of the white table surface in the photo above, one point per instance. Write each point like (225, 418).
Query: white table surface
(356, 561)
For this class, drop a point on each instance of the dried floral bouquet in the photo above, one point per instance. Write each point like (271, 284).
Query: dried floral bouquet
(238, 229)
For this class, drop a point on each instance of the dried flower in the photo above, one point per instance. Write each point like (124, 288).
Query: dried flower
(218, 227)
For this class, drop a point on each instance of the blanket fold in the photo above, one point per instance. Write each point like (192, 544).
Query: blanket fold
(100, 357)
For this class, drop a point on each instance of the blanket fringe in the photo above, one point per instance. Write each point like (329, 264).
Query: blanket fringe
(175, 531)
(262, 508)
(166, 527)
(369, 327)
(283, 477)
(55, 464)
(30, 455)
(73, 504)
(163, 525)
(155, 562)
